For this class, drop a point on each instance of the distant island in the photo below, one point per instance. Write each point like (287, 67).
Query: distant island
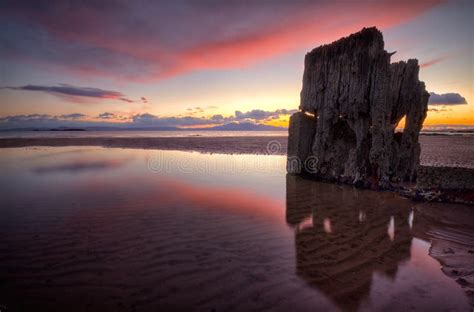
(233, 126)
(61, 129)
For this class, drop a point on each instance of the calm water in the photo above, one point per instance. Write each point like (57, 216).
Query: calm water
(95, 229)
(138, 134)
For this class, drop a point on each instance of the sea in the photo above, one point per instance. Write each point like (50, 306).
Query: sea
(138, 134)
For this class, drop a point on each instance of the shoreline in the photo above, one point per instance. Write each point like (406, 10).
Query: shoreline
(256, 145)
(438, 151)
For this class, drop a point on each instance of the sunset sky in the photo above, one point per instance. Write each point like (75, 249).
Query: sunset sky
(201, 63)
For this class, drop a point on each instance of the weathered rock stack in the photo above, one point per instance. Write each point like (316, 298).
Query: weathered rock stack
(351, 103)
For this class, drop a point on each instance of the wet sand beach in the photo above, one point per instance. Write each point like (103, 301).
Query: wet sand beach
(440, 150)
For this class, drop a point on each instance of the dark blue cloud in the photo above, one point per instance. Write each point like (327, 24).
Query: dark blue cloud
(106, 115)
(152, 120)
(71, 91)
(73, 116)
(217, 117)
(126, 100)
(44, 121)
(258, 114)
(42, 117)
(27, 118)
(446, 99)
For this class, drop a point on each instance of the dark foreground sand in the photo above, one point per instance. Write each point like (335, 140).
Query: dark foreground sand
(435, 150)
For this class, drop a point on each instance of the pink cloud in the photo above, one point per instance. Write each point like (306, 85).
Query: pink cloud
(138, 41)
(433, 61)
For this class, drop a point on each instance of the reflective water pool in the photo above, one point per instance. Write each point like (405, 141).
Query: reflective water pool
(126, 229)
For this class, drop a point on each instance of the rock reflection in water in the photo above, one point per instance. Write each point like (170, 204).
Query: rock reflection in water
(344, 235)
(340, 262)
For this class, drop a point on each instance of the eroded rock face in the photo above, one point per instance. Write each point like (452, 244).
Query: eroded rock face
(351, 103)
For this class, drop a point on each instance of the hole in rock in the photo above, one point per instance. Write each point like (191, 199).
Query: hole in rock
(400, 125)
(399, 128)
